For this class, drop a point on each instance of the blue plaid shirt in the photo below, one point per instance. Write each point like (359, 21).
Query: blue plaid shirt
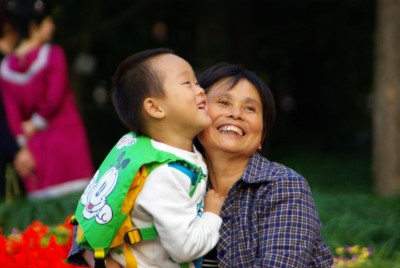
(270, 220)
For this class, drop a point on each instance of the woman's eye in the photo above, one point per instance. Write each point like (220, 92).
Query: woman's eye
(250, 108)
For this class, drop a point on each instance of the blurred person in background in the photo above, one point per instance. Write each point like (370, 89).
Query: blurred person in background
(9, 150)
(40, 105)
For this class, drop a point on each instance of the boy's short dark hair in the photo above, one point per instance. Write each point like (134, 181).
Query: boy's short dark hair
(134, 81)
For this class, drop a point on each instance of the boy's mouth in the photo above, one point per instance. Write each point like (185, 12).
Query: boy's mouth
(202, 105)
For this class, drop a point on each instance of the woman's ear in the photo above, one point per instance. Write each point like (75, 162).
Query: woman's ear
(153, 109)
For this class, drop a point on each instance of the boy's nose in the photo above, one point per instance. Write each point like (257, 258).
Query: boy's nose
(199, 90)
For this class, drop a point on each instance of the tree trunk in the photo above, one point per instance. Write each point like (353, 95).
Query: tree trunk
(386, 114)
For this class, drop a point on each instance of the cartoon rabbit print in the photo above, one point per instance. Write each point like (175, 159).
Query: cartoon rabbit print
(95, 196)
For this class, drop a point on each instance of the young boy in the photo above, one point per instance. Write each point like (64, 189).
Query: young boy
(156, 94)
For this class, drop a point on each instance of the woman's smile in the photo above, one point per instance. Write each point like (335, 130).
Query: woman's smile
(231, 129)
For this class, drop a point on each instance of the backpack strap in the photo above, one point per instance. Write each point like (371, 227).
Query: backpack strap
(99, 258)
(150, 233)
(136, 235)
(140, 234)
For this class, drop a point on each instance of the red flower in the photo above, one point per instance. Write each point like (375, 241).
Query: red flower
(37, 246)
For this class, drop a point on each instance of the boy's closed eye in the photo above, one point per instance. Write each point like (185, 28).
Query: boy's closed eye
(223, 102)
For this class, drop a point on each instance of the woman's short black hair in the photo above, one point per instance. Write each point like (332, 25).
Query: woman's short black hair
(234, 73)
(23, 12)
(134, 81)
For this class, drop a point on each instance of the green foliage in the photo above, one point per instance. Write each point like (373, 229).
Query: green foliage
(21, 212)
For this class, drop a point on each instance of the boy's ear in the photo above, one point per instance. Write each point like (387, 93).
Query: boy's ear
(152, 108)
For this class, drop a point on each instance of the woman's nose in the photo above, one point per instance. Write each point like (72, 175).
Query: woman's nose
(235, 112)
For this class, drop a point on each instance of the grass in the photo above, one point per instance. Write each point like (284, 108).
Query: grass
(342, 187)
(351, 213)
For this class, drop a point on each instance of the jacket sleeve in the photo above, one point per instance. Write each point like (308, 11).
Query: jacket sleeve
(183, 234)
(57, 84)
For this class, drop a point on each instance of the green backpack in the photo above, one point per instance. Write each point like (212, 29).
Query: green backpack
(102, 214)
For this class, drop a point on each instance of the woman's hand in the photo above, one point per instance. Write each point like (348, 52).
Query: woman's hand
(28, 128)
(213, 202)
(24, 163)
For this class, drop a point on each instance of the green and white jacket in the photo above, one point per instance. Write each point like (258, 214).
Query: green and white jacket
(170, 200)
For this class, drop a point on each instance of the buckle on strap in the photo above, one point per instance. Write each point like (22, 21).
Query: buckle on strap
(133, 236)
(73, 220)
(99, 254)
(99, 258)
(138, 234)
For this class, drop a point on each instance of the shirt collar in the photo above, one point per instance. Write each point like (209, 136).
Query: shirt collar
(259, 169)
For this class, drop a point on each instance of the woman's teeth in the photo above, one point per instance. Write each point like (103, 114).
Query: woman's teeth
(231, 129)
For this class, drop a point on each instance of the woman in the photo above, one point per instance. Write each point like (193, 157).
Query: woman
(40, 106)
(269, 216)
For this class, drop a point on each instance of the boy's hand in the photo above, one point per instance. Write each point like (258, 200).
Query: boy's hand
(89, 257)
(111, 263)
(213, 202)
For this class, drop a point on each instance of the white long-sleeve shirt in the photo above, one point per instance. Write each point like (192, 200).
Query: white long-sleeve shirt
(185, 233)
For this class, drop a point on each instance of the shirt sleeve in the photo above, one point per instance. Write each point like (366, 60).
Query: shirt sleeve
(290, 226)
(57, 83)
(183, 234)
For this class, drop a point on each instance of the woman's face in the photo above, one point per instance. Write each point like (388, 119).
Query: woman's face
(46, 29)
(236, 115)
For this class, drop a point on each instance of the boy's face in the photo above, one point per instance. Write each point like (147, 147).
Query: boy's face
(185, 102)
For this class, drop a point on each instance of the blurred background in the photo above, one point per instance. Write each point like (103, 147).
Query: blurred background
(317, 56)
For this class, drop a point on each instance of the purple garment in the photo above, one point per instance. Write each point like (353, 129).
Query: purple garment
(38, 83)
